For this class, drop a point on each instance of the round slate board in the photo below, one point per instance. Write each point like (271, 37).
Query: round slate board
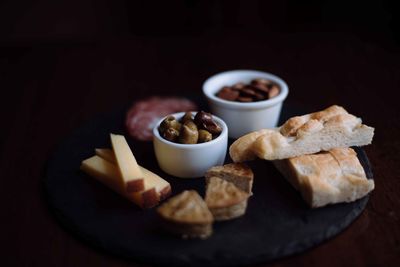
(277, 223)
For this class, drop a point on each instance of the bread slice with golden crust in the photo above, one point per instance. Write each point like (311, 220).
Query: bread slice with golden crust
(242, 149)
(224, 199)
(187, 215)
(327, 177)
(237, 173)
(300, 135)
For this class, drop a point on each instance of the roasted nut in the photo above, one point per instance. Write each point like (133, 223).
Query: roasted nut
(262, 85)
(204, 136)
(262, 88)
(187, 117)
(171, 134)
(248, 91)
(228, 93)
(257, 90)
(259, 97)
(274, 91)
(189, 133)
(245, 99)
(238, 86)
(169, 122)
(260, 81)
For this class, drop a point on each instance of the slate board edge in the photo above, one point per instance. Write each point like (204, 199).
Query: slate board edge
(301, 246)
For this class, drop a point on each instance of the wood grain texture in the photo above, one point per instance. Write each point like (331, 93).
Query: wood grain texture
(51, 89)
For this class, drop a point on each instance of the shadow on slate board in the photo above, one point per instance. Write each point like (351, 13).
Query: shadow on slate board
(277, 223)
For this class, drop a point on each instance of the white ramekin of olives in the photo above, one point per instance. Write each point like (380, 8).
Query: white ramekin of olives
(187, 145)
(248, 115)
(189, 129)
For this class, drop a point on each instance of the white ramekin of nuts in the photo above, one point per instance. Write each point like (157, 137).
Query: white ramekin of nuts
(247, 100)
(187, 144)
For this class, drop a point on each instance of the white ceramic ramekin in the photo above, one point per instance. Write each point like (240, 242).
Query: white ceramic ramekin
(243, 118)
(190, 160)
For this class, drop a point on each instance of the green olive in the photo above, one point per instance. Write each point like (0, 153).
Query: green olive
(170, 122)
(187, 117)
(204, 136)
(189, 133)
(171, 134)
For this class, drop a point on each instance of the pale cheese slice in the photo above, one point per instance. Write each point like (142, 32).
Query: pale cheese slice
(106, 154)
(162, 187)
(131, 174)
(108, 174)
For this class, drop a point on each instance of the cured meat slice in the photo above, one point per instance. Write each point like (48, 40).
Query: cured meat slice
(144, 114)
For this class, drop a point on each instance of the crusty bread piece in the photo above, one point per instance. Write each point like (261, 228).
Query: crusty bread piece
(242, 149)
(224, 199)
(187, 215)
(327, 177)
(237, 173)
(307, 134)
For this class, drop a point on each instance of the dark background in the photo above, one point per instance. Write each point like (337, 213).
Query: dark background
(62, 62)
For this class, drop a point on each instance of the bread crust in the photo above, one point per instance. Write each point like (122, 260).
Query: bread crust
(229, 213)
(327, 177)
(242, 150)
(224, 199)
(187, 215)
(307, 134)
(239, 174)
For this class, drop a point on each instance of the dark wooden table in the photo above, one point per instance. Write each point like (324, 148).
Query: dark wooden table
(49, 89)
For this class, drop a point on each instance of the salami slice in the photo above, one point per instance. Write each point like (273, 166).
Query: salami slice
(144, 114)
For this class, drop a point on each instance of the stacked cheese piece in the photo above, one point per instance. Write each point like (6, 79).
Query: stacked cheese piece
(117, 168)
(312, 151)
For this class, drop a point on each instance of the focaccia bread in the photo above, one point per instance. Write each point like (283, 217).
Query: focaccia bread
(307, 134)
(187, 215)
(327, 177)
(224, 199)
(237, 173)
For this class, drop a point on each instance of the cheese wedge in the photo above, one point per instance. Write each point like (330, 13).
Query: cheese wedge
(163, 188)
(106, 154)
(109, 174)
(131, 174)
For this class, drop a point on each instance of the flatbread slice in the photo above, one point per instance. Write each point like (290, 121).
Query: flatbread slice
(300, 135)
